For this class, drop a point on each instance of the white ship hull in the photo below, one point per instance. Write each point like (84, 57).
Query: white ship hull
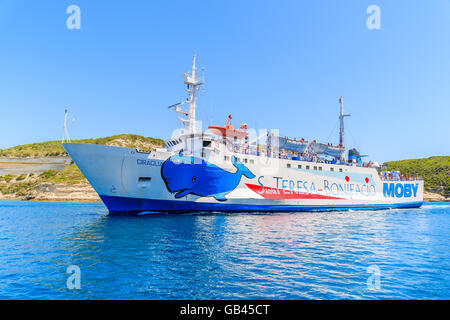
(131, 182)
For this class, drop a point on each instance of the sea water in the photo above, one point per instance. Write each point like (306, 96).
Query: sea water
(74, 250)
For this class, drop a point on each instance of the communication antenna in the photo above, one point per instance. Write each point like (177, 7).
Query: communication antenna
(65, 135)
(203, 80)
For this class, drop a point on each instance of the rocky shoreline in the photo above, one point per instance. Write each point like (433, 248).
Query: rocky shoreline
(434, 197)
(44, 180)
(84, 192)
(56, 192)
(44, 172)
(55, 179)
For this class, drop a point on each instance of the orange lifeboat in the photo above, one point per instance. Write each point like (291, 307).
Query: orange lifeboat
(229, 131)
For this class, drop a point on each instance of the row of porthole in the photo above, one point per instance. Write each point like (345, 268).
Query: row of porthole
(288, 165)
(226, 158)
(308, 167)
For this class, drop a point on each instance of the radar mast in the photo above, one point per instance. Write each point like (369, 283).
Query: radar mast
(193, 85)
(341, 130)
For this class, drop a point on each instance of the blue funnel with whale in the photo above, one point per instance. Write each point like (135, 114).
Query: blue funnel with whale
(185, 175)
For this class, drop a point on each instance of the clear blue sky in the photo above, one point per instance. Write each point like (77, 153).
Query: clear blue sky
(272, 64)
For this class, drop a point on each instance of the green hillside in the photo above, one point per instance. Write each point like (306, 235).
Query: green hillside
(25, 185)
(434, 170)
(54, 148)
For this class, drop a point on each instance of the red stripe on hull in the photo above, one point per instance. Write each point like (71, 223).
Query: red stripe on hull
(273, 193)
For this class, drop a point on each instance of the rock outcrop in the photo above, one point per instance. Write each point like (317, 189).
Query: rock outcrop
(434, 197)
(55, 192)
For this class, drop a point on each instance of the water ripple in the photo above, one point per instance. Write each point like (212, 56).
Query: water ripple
(222, 256)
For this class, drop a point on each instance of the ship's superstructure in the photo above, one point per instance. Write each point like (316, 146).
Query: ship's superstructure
(227, 169)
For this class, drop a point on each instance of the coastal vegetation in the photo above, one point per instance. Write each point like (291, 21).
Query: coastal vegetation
(55, 149)
(434, 170)
(36, 185)
(25, 185)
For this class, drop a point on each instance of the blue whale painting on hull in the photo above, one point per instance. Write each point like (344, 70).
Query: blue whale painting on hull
(190, 175)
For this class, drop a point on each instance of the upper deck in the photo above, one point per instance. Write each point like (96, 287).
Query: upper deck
(221, 142)
(220, 150)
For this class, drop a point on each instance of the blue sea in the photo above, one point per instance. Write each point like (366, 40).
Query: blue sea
(391, 254)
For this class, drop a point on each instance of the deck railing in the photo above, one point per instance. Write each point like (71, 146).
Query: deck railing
(401, 178)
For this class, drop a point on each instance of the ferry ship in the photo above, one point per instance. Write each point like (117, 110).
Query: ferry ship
(223, 169)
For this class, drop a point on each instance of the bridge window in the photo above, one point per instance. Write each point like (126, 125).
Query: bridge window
(226, 158)
(320, 168)
(307, 167)
(245, 160)
(288, 165)
(315, 168)
(252, 161)
(299, 166)
(331, 169)
(340, 169)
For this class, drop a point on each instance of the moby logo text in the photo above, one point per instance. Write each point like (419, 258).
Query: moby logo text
(400, 190)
